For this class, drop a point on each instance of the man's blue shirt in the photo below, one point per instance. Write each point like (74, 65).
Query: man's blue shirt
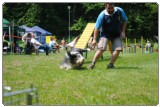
(110, 25)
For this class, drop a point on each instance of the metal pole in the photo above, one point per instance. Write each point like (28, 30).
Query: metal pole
(69, 7)
(126, 44)
(10, 39)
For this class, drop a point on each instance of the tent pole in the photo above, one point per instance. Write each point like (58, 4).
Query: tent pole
(13, 35)
(10, 38)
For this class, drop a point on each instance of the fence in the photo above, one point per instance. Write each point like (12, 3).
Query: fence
(22, 97)
(133, 49)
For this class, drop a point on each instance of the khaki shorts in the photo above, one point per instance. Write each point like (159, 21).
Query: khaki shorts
(111, 45)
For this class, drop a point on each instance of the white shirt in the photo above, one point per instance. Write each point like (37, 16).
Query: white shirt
(52, 43)
(148, 44)
(34, 41)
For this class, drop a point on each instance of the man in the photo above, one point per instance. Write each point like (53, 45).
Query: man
(38, 45)
(112, 22)
(26, 38)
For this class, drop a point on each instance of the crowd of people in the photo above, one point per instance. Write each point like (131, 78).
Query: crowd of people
(31, 43)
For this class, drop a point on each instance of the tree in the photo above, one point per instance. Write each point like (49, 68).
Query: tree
(142, 17)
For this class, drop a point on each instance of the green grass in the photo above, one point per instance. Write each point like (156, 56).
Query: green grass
(134, 82)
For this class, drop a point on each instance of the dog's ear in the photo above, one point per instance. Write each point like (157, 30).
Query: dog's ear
(69, 54)
(72, 56)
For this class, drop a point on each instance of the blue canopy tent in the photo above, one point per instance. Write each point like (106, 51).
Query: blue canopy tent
(43, 32)
(28, 29)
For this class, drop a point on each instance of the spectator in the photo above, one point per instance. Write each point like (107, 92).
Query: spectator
(148, 45)
(26, 38)
(63, 43)
(38, 45)
(56, 45)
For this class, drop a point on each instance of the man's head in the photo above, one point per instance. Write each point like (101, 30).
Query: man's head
(51, 38)
(29, 35)
(110, 8)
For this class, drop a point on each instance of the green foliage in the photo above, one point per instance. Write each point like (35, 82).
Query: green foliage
(152, 6)
(54, 17)
(92, 10)
(142, 23)
(79, 25)
(31, 17)
(155, 46)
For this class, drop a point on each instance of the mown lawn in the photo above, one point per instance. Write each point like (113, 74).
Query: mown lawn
(134, 82)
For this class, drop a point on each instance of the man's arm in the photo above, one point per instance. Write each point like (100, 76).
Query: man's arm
(98, 25)
(124, 20)
(36, 43)
(124, 25)
(96, 32)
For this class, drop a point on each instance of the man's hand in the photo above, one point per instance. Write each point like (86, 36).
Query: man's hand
(94, 43)
(123, 35)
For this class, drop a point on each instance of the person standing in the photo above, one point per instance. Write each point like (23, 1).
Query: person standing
(26, 38)
(63, 43)
(112, 21)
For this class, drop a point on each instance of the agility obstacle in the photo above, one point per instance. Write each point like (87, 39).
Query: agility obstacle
(84, 38)
(132, 48)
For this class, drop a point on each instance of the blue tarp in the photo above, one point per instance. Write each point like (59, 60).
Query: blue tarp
(27, 29)
(44, 32)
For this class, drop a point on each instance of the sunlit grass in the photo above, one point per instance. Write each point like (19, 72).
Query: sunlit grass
(134, 82)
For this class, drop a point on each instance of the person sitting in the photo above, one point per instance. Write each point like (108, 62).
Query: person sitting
(54, 45)
(38, 45)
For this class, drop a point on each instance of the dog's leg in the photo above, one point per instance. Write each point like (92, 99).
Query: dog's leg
(62, 67)
(68, 67)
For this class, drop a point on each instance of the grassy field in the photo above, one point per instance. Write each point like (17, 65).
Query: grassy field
(134, 82)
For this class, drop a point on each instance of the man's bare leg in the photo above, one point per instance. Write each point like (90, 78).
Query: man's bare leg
(114, 57)
(97, 55)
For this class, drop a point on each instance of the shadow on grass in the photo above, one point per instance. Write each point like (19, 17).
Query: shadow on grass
(100, 60)
(127, 68)
(117, 68)
(81, 69)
